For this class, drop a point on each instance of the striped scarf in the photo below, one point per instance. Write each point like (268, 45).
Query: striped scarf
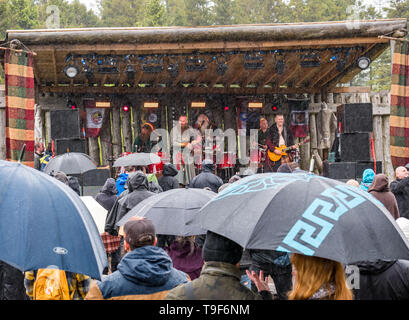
(19, 105)
(399, 120)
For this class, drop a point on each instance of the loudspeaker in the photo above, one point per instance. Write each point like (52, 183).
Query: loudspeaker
(355, 146)
(65, 124)
(361, 166)
(72, 145)
(355, 117)
(339, 170)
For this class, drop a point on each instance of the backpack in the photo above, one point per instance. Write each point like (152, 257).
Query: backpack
(44, 161)
(51, 284)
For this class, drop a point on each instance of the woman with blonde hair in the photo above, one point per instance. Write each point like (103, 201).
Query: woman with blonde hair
(317, 278)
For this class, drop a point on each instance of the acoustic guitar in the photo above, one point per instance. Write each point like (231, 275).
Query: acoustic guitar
(284, 149)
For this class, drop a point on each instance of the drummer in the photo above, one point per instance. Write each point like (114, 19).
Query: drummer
(143, 142)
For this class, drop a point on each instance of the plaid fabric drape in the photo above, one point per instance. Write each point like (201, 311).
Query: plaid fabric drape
(399, 120)
(19, 79)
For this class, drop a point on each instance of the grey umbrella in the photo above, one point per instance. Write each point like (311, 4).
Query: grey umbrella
(306, 214)
(71, 163)
(172, 211)
(137, 159)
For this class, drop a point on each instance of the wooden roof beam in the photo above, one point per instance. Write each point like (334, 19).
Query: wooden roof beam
(327, 77)
(313, 71)
(55, 68)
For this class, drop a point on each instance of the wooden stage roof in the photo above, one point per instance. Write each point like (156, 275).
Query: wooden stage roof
(238, 59)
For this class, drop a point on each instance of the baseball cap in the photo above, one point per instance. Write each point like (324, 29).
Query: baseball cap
(139, 232)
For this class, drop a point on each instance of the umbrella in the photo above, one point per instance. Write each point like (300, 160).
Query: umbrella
(70, 163)
(306, 214)
(44, 223)
(171, 211)
(137, 159)
(98, 212)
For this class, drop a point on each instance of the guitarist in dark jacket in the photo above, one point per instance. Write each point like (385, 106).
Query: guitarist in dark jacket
(278, 134)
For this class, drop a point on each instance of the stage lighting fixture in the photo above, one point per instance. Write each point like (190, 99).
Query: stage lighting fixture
(197, 104)
(310, 60)
(173, 69)
(221, 68)
(125, 108)
(72, 105)
(363, 63)
(255, 105)
(253, 61)
(194, 63)
(280, 67)
(71, 71)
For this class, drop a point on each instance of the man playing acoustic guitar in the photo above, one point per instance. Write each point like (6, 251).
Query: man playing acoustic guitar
(278, 135)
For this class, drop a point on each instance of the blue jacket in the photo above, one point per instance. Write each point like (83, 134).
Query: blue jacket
(145, 273)
(367, 178)
(120, 182)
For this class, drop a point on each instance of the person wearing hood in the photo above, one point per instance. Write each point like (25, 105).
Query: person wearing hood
(383, 280)
(144, 273)
(168, 180)
(207, 178)
(108, 194)
(138, 190)
(380, 190)
(367, 178)
(74, 184)
(186, 256)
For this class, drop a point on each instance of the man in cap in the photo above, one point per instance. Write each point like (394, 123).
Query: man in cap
(145, 273)
(400, 188)
(220, 276)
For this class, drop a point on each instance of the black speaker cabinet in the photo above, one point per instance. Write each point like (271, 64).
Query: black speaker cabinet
(96, 177)
(355, 117)
(361, 166)
(355, 146)
(65, 124)
(70, 145)
(339, 170)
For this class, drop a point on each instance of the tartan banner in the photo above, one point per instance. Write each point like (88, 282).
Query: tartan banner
(399, 120)
(19, 79)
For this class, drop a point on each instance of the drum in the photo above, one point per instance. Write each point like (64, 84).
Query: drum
(153, 168)
(229, 160)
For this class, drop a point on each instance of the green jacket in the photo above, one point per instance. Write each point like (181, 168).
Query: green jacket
(217, 281)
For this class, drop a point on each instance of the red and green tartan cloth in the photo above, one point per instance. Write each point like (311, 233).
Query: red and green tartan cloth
(399, 120)
(19, 79)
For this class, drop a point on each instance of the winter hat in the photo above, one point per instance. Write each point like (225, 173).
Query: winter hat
(139, 232)
(221, 249)
(368, 176)
(60, 176)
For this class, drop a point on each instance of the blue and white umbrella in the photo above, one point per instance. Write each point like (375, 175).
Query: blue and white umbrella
(44, 223)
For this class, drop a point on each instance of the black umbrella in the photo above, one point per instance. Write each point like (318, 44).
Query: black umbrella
(137, 159)
(70, 163)
(172, 211)
(306, 214)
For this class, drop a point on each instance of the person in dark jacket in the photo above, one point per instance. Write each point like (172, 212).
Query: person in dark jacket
(278, 134)
(186, 256)
(168, 180)
(383, 280)
(144, 273)
(108, 194)
(400, 188)
(206, 178)
(11, 283)
(380, 190)
(74, 184)
(220, 276)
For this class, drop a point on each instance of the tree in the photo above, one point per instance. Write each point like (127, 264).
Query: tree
(155, 15)
(197, 13)
(122, 13)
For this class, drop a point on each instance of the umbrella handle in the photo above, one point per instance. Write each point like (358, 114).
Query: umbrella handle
(23, 150)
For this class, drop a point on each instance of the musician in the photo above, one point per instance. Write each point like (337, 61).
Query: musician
(143, 142)
(184, 138)
(262, 133)
(278, 134)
